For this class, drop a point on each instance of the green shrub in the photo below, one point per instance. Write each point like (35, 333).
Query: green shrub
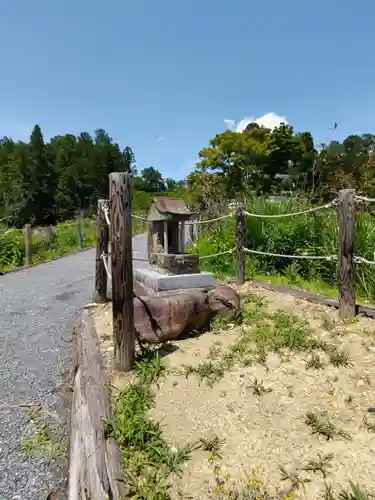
(315, 233)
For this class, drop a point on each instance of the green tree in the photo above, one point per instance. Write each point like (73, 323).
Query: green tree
(238, 158)
(151, 180)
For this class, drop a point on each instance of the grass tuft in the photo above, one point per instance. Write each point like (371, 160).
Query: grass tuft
(319, 424)
(149, 462)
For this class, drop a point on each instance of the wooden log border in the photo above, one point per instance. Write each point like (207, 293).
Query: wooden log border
(311, 297)
(94, 459)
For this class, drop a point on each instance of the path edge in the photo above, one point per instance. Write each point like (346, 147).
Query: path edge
(94, 458)
(58, 257)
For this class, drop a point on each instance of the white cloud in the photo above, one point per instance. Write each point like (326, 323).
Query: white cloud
(160, 138)
(269, 120)
(230, 123)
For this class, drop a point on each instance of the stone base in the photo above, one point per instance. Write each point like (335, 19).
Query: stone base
(176, 263)
(159, 282)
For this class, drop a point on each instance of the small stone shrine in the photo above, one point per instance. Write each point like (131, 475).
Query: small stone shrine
(166, 237)
(170, 268)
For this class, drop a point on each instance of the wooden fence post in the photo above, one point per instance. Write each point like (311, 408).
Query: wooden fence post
(27, 244)
(346, 211)
(122, 270)
(49, 231)
(102, 241)
(240, 235)
(79, 233)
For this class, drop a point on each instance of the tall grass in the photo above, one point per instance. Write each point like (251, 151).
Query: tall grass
(314, 233)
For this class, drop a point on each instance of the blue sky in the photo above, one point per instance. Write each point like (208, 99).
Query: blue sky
(162, 76)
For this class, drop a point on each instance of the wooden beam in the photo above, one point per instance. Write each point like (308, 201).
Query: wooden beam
(312, 297)
(240, 254)
(346, 212)
(122, 270)
(102, 241)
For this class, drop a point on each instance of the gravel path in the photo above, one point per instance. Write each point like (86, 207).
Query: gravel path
(37, 308)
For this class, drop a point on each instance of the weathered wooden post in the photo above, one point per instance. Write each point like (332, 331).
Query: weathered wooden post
(240, 235)
(101, 248)
(122, 270)
(49, 231)
(27, 244)
(79, 233)
(346, 212)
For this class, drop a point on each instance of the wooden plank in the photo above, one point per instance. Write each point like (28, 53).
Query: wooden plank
(312, 297)
(27, 244)
(346, 212)
(122, 270)
(101, 248)
(240, 255)
(99, 468)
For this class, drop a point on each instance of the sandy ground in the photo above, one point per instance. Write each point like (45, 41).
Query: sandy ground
(260, 433)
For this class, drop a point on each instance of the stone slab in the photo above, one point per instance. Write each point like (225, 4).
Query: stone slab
(159, 282)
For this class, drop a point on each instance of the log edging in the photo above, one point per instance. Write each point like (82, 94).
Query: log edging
(94, 459)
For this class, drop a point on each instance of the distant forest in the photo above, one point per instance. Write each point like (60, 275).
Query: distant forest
(45, 182)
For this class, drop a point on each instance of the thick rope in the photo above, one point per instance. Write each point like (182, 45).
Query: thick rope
(217, 254)
(105, 209)
(364, 199)
(209, 220)
(362, 260)
(277, 216)
(104, 259)
(138, 217)
(301, 256)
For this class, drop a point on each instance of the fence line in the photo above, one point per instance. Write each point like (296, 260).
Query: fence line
(299, 256)
(117, 211)
(307, 211)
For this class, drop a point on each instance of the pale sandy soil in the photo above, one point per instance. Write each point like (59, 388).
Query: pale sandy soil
(260, 433)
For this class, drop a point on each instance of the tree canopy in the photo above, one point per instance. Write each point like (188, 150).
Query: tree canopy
(260, 161)
(44, 182)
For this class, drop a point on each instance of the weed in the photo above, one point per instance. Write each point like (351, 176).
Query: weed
(43, 442)
(321, 425)
(320, 465)
(314, 362)
(147, 458)
(356, 492)
(339, 358)
(210, 371)
(214, 352)
(320, 344)
(328, 493)
(295, 480)
(258, 387)
(213, 445)
(284, 330)
(327, 323)
(151, 368)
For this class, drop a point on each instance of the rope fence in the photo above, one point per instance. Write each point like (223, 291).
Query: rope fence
(117, 211)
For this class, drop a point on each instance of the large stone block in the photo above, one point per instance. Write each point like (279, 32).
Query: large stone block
(159, 282)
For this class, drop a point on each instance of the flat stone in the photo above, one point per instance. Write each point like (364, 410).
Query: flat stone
(159, 282)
